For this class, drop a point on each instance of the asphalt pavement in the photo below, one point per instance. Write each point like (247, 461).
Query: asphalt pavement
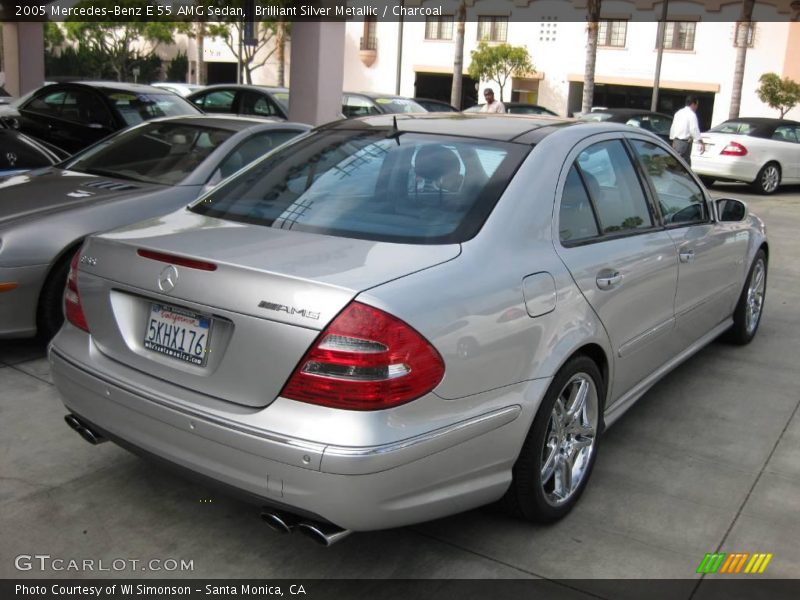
(707, 461)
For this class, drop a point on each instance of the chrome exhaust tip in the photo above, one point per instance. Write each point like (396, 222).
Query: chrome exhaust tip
(84, 430)
(279, 521)
(322, 533)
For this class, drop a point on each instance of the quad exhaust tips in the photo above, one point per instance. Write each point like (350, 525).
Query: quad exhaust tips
(84, 430)
(322, 533)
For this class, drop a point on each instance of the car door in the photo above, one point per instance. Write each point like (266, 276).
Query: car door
(710, 254)
(788, 145)
(219, 101)
(624, 263)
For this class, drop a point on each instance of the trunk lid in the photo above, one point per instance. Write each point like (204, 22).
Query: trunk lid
(270, 294)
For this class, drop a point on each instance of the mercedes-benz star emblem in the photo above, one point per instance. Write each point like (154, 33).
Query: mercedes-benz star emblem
(168, 279)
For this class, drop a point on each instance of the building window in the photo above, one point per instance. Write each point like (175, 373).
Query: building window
(370, 39)
(612, 33)
(744, 30)
(492, 29)
(439, 28)
(679, 35)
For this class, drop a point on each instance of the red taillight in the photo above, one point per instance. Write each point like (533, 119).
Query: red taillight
(365, 359)
(72, 299)
(181, 261)
(734, 149)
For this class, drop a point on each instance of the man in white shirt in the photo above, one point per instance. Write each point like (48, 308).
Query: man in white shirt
(685, 128)
(492, 105)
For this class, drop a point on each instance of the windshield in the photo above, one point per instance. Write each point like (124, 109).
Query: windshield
(408, 187)
(399, 105)
(137, 108)
(164, 153)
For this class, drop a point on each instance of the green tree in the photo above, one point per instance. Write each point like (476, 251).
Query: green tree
(178, 67)
(498, 62)
(114, 40)
(781, 94)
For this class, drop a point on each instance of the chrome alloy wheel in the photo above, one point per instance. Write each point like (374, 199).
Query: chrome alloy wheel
(755, 296)
(570, 439)
(770, 178)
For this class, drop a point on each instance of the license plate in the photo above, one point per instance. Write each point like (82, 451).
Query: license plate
(178, 333)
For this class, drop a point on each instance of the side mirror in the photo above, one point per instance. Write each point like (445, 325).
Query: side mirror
(731, 210)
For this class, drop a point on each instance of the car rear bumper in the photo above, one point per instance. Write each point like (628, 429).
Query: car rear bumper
(447, 470)
(725, 167)
(18, 305)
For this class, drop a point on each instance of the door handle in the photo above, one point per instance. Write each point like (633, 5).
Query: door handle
(608, 279)
(687, 256)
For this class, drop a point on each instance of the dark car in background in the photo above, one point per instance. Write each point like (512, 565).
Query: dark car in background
(364, 104)
(518, 108)
(654, 122)
(435, 105)
(19, 153)
(251, 100)
(144, 172)
(77, 114)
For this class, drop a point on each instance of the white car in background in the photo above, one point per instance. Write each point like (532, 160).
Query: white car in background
(762, 152)
(182, 89)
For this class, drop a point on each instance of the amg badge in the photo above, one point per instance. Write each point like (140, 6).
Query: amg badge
(291, 310)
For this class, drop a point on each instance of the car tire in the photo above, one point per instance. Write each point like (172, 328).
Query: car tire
(50, 313)
(750, 307)
(558, 448)
(768, 179)
(707, 181)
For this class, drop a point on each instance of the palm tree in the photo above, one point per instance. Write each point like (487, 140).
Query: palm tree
(593, 18)
(281, 42)
(744, 29)
(458, 61)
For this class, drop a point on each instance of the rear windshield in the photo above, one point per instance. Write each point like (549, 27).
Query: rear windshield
(740, 127)
(410, 187)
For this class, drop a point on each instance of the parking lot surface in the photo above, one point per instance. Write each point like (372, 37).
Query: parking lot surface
(707, 461)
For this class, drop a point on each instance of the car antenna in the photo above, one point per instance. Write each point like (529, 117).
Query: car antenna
(395, 133)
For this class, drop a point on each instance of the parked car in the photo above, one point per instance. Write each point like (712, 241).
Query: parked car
(182, 89)
(762, 152)
(655, 122)
(517, 108)
(146, 171)
(435, 105)
(254, 100)
(20, 153)
(365, 104)
(76, 114)
(291, 334)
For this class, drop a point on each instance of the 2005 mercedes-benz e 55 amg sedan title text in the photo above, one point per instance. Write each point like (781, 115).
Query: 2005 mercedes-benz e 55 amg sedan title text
(399, 318)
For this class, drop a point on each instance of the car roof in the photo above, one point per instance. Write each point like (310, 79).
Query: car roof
(112, 85)
(628, 111)
(222, 121)
(761, 121)
(243, 86)
(500, 127)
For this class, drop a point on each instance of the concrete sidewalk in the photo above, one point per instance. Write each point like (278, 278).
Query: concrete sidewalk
(708, 460)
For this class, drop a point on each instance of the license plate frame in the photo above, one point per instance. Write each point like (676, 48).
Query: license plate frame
(176, 325)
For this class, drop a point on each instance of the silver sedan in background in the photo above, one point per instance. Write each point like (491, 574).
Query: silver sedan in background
(149, 170)
(398, 318)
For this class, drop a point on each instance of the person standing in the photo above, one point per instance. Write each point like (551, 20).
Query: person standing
(492, 105)
(685, 128)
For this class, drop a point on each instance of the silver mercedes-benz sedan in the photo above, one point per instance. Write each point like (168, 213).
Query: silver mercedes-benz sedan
(399, 318)
(142, 172)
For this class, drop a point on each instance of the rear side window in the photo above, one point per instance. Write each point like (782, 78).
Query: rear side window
(614, 188)
(738, 127)
(576, 220)
(411, 188)
(680, 199)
